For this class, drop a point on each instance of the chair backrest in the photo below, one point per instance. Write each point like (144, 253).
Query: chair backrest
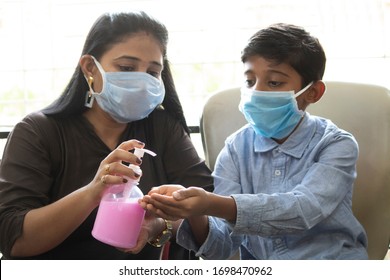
(220, 118)
(363, 110)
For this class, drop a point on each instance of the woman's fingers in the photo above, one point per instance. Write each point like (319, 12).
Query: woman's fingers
(121, 153)
(118, 169)
(131, 144)
(113, 167)
(113, 171)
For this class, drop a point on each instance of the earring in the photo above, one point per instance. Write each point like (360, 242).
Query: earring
(90, 81)
(88, 97)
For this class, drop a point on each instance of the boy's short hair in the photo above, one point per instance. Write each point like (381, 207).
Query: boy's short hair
(287, 43)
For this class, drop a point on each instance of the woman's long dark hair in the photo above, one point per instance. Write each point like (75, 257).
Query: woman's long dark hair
(108, 30)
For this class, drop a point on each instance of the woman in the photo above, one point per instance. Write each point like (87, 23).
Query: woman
(58, 162)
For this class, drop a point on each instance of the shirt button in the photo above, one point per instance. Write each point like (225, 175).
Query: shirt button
(278, 172)
(278, 241)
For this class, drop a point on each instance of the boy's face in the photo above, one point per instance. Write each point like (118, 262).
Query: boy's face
(264, 75)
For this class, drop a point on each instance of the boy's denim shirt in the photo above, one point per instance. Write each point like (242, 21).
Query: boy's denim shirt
(294, 200)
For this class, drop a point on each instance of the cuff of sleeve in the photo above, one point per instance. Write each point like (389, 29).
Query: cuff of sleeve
(185, 238)
(249, 214)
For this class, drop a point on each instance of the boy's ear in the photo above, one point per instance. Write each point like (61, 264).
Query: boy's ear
(317, 90)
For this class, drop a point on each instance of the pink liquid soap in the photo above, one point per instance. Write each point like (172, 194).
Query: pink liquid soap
(118, 222)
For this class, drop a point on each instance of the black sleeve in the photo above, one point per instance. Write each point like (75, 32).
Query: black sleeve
(25, 178)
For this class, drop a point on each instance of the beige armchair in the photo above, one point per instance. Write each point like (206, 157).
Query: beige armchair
(363, 110)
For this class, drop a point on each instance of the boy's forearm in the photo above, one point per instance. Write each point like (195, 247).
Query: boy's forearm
(222, 207)
(199, 227)
(219, 206)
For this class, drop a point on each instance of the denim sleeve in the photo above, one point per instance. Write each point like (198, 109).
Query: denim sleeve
(219, 244)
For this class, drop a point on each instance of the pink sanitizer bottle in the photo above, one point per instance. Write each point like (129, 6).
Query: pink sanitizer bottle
(119, 217)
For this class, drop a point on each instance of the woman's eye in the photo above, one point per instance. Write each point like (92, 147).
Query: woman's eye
(125, 68)
(154, 74)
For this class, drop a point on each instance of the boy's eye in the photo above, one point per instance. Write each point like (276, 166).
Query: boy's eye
(274, 84)
(249, 83)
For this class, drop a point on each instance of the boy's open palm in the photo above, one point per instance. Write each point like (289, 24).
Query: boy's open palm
(174, 202)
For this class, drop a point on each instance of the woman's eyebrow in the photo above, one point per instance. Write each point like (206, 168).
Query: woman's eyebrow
(137, 59)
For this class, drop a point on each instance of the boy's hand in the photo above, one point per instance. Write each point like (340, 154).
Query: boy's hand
(175, 202)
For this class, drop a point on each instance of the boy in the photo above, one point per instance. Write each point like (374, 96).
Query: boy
(283, 183)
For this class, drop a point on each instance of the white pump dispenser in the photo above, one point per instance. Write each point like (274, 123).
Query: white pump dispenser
(131, 183)
(140, 152)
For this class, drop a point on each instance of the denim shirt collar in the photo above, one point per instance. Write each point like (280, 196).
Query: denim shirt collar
(295, 145)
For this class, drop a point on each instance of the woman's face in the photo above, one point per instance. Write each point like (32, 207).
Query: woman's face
(140, 52)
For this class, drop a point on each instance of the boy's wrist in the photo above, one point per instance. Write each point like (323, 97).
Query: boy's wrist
(222, 206)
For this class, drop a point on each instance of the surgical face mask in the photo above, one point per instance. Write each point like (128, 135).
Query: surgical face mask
(272, 114)
(128, 96)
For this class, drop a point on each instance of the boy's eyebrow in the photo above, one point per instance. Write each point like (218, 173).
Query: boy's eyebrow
(250, 71)
(137, 59)
(278, 72)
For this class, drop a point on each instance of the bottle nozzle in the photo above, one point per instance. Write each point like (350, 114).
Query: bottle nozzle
(140, 152)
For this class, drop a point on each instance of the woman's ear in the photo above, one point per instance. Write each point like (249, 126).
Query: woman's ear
(317, 90)
(87, 65)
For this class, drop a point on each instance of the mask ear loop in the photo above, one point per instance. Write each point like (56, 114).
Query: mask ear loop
(298, 94)
(89, 99)
(303, 90)
(98, 65)
(102, 72)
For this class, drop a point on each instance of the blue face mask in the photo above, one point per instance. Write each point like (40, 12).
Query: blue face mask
(272, 114)
(128, 96)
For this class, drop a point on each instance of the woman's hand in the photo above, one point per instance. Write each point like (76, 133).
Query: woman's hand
(112, 169)
(173, 202)
(149, 229)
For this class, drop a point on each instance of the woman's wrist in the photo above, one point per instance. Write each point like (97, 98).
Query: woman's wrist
(89, 196)
(158, 227)
(163, 237)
